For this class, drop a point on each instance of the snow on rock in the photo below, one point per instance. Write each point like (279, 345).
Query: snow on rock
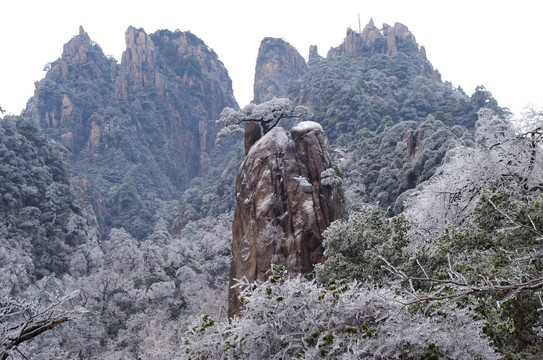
(303, 128)
(306, 126)
(275, 140)
(304, 184)
(264, 205)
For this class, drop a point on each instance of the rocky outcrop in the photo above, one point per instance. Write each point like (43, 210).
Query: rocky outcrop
(252, 134)
(373, 41)
(201, 79)
(77, 48)
(281, 206)
(278, 64)
(56, 111)
(427, 67)
(138, 64)
(414, 143)
(313, 53)
(388, 40)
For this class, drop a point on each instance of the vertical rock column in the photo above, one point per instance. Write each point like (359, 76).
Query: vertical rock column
(281, 206)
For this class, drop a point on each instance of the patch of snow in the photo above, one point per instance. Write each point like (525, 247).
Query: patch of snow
(306, 126)
(308, 206)
(263, 178)
(302, 180)
(281, 139)
(276, 138)
(304, 184)
(245, 248)
(263, 205)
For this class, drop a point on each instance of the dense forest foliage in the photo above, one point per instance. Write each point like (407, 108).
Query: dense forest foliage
(43, 228)
(117, 249)
(369, 105)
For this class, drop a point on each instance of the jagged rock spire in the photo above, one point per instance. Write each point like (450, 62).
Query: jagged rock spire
(281, 206)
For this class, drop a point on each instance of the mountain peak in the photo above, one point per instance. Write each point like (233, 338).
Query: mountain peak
(388, 40)
(373, 40)
(137, 62)
(77, 48)
(155, 110)
(277, 62)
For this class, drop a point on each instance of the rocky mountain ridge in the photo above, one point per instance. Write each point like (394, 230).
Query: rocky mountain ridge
(279, 64)
(139, 129)
(377, 85)
(388, 40)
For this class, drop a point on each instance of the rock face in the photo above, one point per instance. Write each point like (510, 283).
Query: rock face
(313, 53)
(278, 63)
(281, 206)
(76, 49)
(252, 134)
(140, 130)
(414, 143)
(138, 64)
(388, 40)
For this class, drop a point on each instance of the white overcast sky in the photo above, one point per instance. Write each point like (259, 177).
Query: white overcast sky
(477, 42)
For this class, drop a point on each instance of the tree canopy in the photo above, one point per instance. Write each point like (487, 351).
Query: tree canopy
(267, 115)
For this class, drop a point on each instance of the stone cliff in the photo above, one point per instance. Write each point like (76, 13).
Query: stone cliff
(138, 64)
(277, 64)
(281, 206)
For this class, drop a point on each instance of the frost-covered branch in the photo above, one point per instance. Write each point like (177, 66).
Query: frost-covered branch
(517, 224)
(457, 286)
(21, 321)
(291, 317)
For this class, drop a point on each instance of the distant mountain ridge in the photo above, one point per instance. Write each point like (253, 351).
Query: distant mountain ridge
(137, 131)
(279, 63)
(388, 40)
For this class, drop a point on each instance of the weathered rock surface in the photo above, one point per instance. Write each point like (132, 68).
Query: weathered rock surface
(138, 64)
(252, 134)
(313, 53)
(281, 206)
(414, 143)
(76, 49)
(278, 63)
